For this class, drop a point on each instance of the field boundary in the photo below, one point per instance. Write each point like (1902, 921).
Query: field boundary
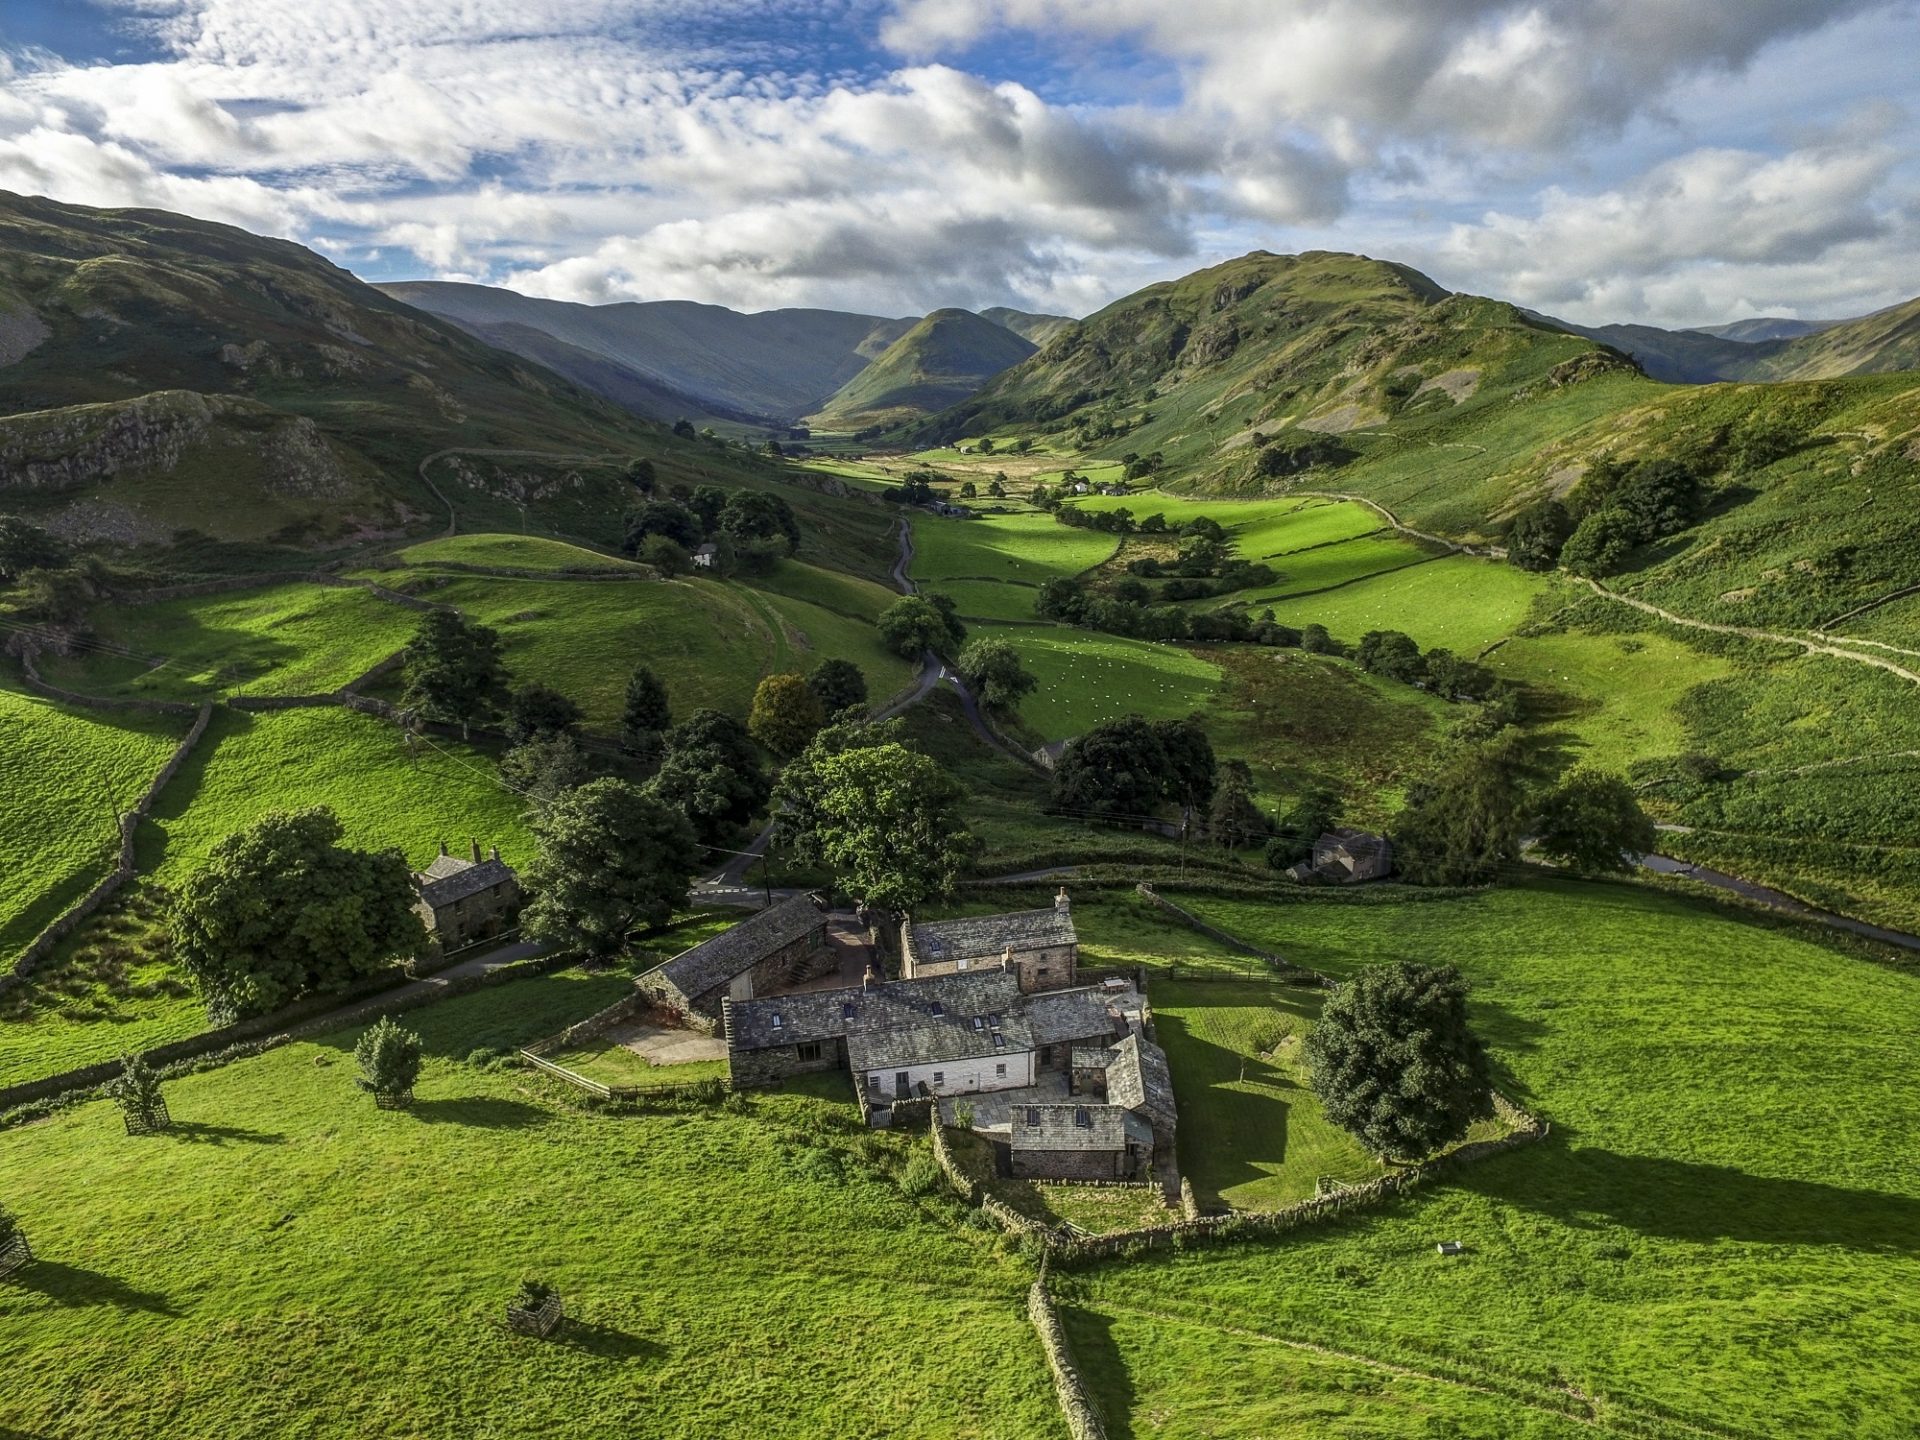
(1282, 967)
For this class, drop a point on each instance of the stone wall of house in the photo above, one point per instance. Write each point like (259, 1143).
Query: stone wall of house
(472, 917)
(778, 967)
(779, 1062)
(655, 986)
(1069, 1164)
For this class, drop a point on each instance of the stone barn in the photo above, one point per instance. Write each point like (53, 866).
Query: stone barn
(782, 945)
(1347, 857)
(1041, 946)
(1072, 1142)
(462, 902)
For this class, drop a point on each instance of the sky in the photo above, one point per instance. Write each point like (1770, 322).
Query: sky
(1670, 162)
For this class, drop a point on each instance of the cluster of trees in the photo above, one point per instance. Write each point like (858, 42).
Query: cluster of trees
(51, 585)
(915, 489)
(1293, 451)
(1618, 507)
(751, 530)
(914, 624)
(1128, 609)
(1397, 656)
(1125, 770)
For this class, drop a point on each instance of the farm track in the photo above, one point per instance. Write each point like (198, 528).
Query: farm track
(1514, 1392)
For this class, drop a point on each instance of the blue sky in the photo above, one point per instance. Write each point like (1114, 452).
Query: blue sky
(1649, 160)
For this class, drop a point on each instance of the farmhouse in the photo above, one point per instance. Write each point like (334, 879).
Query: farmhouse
(707, 556)
(1346, 857)
(464, 901)
(784, 944)
(1040, 946)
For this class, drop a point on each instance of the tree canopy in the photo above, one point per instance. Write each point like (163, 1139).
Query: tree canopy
(646, 714)
(838, 685)
(25, 547)
(1394, 1062)
(915, 623)
(785, 714)
(539, 710)
(1123, 770)
(609, 858)
(282, 909)
(452, 670)
(712, 774)
(662, 517)
(1592, 822)
(388, 1056)
(994, 669)
(544, 768)
(1462, 823)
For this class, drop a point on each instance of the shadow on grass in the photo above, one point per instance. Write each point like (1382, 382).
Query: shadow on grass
(606, 1342)
(1683, 1200)
(196, 1132)
(72, 1285)
(1103, 1367)
(486, 1112)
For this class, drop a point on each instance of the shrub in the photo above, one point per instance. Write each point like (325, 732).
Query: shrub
(533, 1294)
(389, 1058)
(136, 1089)
(921, 1174)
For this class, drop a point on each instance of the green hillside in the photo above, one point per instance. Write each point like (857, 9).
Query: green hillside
(940, 362)
(1027, 325)
(1872, 345)
(1876, 344)
(161, 375)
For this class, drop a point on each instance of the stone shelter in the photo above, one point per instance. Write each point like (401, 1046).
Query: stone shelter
(1041, 946)
(1346, 857)
(462, 902)
(782, 945)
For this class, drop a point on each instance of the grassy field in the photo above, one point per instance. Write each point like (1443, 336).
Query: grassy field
(298, 639)
(1086, 678)
(611, 1063)
(384, 796)
(65, 775)
(1458, 603)
(1724, 1227)
(1258, 529)
(993, 566)
(291, 1261)
(1329, 567)
(512, 552)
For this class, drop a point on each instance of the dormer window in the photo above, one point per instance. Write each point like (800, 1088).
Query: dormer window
(776, 1020)
(979, 1022)
(999, 1041)
(1083, 1118)
(1033, 1116)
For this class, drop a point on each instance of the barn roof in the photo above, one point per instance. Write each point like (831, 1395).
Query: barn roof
(450, 879)
(872, 1009)
(712, 963)
(989, 936)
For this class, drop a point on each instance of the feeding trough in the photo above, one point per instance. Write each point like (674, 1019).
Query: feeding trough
(1451, 1247)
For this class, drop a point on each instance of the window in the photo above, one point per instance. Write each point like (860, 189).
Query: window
(1000, 1072)
(1042, 972)
(776, 1019)
(809, 1049)
(873, 1079)
(1083, 1117)
(847, 1011)
(938, 1008)
(1033, 1116)
(939, 1077)
(999, 1041)
(979, 1022)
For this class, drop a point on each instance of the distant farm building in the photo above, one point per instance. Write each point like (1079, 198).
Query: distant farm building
(706, 556)
(462, 902)
(1346, 857)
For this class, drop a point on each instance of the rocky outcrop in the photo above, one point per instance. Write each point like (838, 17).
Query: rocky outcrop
(84, 444)
(22, 331)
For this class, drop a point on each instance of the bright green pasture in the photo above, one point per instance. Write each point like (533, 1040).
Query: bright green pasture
(298, 639)
(65, 775)
(512, 552)
(1086, 678)
(385, 796)
(1458, 603)
(1328, 567)
(1723, 1228)
(1029, 548)
(1259, 529)
(291, 1261)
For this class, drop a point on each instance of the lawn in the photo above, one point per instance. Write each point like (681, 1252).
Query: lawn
(1724, 1227)
(64, 776)
(614, 1064)
(293, 1262)
(1458, 603)
(297, 639)
(1086, 677)
(384, 796)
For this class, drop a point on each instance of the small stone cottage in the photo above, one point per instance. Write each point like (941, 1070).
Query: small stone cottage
(782, 945)
(1346, 857)
(463, 902)
(1040, 946)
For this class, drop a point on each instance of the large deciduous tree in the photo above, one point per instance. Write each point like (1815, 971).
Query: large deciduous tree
(452, 670)
(785, 715)
(544, 768)
(539, 710)
(1462, 823)
(755, 515)
(712, 774)
(1592, 822)
(915, 623)
(282, 909)
(25, 547)
(646, 714)
(609, 859)
(839, 685)
(993, 668)
(1394, 1062)
(1116, 772)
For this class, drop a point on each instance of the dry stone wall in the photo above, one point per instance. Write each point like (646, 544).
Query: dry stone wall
(1083, 1421)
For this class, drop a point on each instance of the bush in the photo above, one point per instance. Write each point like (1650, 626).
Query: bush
(921, 1174)
(533, 1294)
(136, 1089)
(389, 1058)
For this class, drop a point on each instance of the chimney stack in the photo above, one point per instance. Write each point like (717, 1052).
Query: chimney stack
(496, 853)
(476, 848)
(1060, 901)
(443, 847)
(1006, 958)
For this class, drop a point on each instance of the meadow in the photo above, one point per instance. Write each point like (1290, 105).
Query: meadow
(1456, 603)
(512, 552)
(1722, 1232)
(1086, 678)
(65, 776)
(296, 639)
(291, 1261)
(993, 565)
(1258, 529)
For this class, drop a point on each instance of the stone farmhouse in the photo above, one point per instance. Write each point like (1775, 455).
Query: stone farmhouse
(783, 945)
(462, 902)
(1040, 946)
(1346, 857)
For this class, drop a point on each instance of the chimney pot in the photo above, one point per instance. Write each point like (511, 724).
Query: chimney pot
(1060, 901)
(443, 847)
(496, 852)
(476, 848)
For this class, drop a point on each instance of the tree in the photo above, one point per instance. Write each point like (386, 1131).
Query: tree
(751, 515)
(707, 503)
(25, 547)
(662, 517)
(544, 768)
(538, 710)
(1062, 598)
(609, 858)
(666, 555)
(1601, 543)
(1315, 640)
(968, 490)
(56, 597)
(640, 475)
(883, 817)
(1394, 1062)
(1306, 820)
(785, 714)
(1234, 820)
(711, 774)
(646, 715)
(684, 429)
(1191, 766)
(452, 670)
(281, 910)
(136, 1090)
(1117, 772)
(913, 624)
(388, 1055)
(1538, 533)
(1593, 823)
(1392, 654)
(1462, 824)
(993, 668)
(838, 685)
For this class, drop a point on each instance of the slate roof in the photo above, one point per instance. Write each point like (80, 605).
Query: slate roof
(1139, 1080)
(449, 879)
(1068, 1127)
(1059, 1015)
(933, 1041)
(988, 936)
(1357, 843)
(712, 963)
(857, 1010)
